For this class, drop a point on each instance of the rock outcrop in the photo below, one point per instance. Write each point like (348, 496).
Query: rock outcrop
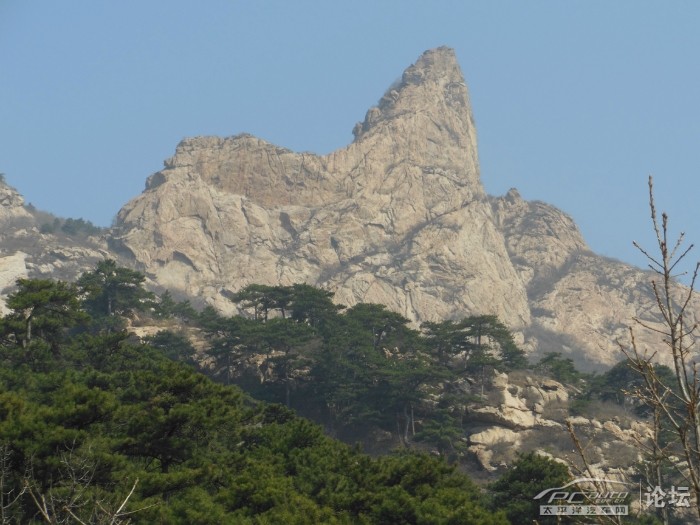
(530, 413)
(11, 205)
(27, 252)
(581, 304)
(12, 267)
(398, 217)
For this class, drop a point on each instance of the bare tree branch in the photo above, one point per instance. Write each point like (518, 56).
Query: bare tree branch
(676, 407)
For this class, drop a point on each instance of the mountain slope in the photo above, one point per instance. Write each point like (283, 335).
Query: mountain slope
(398, 217)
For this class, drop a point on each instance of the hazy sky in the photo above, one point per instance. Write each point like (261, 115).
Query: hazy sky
(576, 102)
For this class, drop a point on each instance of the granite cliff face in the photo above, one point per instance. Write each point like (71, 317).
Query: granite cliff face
(581, 304)
(398, 217)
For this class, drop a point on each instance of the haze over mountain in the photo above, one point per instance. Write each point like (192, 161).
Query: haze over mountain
(397, 217)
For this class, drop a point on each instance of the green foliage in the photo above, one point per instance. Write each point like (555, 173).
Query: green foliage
(285, 343)
(446, 340)
(354, 368)
(167, 307)
(110, 423)
(618, 385)
(300, 302)
(481, 341)
(444, 429)
(41, 313)
(174, 346)
(261, 299)
(371, 370)
(110, 291)
(610, 385)
(71, 227)
(514, 492)
(560, 368)
(47, 228)
(385, 327)
(79, 227)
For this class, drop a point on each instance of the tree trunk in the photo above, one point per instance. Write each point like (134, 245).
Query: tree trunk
(413, 422)
(28, 334)
(287, 393)
(407, 422)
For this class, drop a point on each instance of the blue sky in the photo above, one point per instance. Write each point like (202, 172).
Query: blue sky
(576, 102)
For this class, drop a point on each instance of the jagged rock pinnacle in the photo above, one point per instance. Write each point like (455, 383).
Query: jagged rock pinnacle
(434, 86)
(396, 217)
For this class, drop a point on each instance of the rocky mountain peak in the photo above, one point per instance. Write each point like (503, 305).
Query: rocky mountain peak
(11, 202)
(434, 64)
(431, 92)
(398, 216)
(9, 197)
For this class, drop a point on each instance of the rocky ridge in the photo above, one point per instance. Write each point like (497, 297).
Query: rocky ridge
(26, 251)
(581, 304)
(397, 217)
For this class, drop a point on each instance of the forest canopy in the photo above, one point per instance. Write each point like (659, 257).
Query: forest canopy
(98, 426)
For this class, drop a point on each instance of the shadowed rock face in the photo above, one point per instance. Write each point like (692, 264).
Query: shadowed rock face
(581, 304)
(398, 217)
